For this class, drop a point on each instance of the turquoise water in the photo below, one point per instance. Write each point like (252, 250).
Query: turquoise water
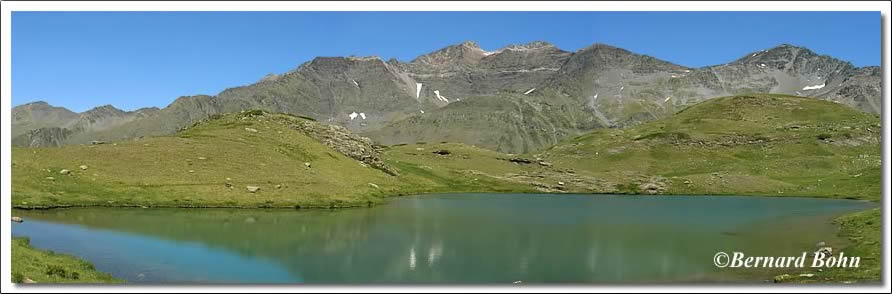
(460, 238)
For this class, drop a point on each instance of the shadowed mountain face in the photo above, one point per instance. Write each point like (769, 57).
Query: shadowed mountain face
(520, 98)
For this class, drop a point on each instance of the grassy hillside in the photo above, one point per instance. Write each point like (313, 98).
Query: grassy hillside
(296, 163)
(31, 265)
(210, 164)
(750, 144)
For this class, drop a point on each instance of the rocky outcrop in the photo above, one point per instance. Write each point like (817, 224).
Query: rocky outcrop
(335, 137)
(345, 142)
(43, 137)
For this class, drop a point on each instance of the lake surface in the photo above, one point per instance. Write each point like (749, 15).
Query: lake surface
(456, 238)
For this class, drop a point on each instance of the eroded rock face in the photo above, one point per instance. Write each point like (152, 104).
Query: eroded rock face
(42, 137)
(338, 138)
(345, 142)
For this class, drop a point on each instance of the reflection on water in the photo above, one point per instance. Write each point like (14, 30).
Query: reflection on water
(474, 238)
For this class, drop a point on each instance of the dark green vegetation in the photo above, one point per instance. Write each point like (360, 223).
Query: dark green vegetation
(30, 265)
(740, 145)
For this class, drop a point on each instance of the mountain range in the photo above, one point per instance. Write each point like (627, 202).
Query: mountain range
(518, 99)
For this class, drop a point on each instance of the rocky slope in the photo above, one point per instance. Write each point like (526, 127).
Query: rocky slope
(519, 98)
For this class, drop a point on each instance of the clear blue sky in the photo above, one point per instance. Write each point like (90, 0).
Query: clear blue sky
(80, 60)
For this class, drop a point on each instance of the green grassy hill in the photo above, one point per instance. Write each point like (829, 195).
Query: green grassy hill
(210, 164)
(749, 144)
(30, 265)
(296, 163)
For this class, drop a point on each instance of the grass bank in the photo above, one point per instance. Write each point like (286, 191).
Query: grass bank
(31, 265)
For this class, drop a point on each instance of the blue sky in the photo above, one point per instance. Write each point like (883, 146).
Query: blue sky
(80, 60)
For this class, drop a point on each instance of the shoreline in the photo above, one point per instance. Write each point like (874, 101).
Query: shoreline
(385, 199)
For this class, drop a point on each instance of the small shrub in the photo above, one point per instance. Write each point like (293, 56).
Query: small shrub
(824, 136)
(628, 188)
(18, 278)
(55, 270)
(253, 113)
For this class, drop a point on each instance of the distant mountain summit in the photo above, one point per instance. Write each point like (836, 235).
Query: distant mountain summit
(519, 98)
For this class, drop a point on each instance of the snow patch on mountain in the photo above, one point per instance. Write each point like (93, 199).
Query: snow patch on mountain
(417, 90)
(437, 92)
(815, 87)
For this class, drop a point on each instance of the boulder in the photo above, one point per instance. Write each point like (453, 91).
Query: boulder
(251, 130)
(278, 186)
(545, 164)
(373, 185)
(64, 172)
(17, 219)
(520, 160)
(442, 152)
(781, 278)
(650, 188)
(51, 178)
(83, 167)
(826, 251)
(97, 142)
(308, 165)
(253, 189)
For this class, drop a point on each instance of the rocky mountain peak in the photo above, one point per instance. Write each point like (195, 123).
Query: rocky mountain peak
(270, 77)
(107, 109)
(467, 52)
(39, 106)
(38, 103)
(470, 44)
(530, 46)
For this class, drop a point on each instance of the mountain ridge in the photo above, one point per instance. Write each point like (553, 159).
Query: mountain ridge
(598, 86)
